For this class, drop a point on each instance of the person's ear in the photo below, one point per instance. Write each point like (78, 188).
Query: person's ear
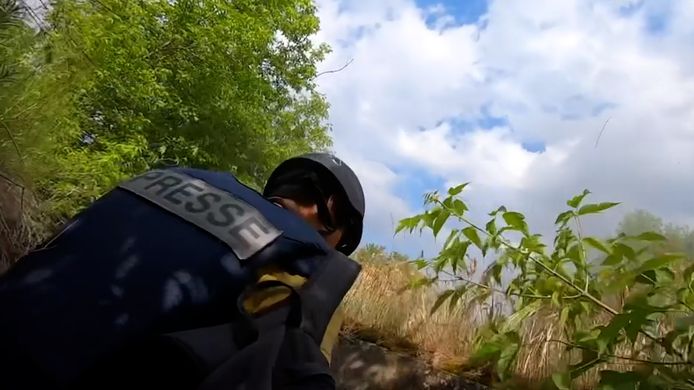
(331, 203)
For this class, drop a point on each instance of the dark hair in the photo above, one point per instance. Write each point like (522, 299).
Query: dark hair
(312, 186)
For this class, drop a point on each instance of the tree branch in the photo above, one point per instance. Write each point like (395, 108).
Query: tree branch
(336, 70)
(496, 290)
(572, 345)
(14, 143)
(554, 273)
(601, 131)
(10, 180)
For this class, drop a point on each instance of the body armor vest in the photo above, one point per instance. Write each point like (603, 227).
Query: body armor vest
(167, 252)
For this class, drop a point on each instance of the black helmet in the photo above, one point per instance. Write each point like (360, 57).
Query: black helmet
(348, 182)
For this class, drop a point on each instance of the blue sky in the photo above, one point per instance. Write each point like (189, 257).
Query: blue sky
(657, 14)
(513, 105)
(464, 11)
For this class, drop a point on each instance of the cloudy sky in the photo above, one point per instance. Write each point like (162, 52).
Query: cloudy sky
(512, 95)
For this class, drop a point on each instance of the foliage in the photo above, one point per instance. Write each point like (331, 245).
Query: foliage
(14, 34)
(109, 88)
(679, 238)
(640, 221)
(377, 253)
(629, 277)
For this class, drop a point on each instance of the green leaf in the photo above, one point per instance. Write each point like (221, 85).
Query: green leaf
(688, 272)
(420, 263)
(648, 277)
(615, 380)
(634, 326)
(586, 338)
(408, 223)
(430, 216)
(589, 359)
(431, 197)
(420, 282)
(490, 227)
(638, 307)
(597, 244)
(501, 209)
(457, 189)
(453, 234)
(556, 298)
(650, 236)
(612, 259)
(440, 300)
(562, 380)
(441, 219)
(496, 272)
(574, 253)
(660, 261)
(471, 234)
(459, 207)
(623, 250)
(515, 220)
(486, 352)
(533, 243)
(609, 334)
(564, 315)
(455, 298)
(440, 263)
(508, 354)
(564, 217)
(515, 320)
(596, 208)
(587, 307)
(664, 275)
(576, 200)
(459, 254)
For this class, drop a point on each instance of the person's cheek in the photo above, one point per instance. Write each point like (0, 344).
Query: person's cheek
(334, 238)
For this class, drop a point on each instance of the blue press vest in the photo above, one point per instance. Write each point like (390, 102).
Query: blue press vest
(125, 267)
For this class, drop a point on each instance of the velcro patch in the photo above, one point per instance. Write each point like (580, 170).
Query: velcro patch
(243, 228)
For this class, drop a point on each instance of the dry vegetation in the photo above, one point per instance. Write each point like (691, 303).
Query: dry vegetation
(20, 225)
(380, 309)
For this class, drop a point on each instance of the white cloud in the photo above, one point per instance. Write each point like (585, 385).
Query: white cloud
(556, 71)
(488, 157)
(385, 207)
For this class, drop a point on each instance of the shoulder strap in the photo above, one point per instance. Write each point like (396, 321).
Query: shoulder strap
(285, 342)
(324, 291)
(252, 367)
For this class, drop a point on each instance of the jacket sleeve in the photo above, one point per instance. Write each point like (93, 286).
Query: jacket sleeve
(262, 299)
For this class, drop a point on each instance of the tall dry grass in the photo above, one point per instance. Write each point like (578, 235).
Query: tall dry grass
(380, 309)
(21, 224)
(377, 309)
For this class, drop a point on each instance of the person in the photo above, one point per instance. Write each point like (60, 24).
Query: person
(185, 278)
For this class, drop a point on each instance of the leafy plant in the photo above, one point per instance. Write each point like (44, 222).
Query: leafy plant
(629, 277)
(106, 89)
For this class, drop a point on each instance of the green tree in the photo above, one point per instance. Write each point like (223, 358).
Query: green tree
(113, 87)
(640, 221)
(10, 22)
(679, 238)
(15, 37)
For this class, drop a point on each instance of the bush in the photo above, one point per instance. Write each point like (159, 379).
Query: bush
(617, 302)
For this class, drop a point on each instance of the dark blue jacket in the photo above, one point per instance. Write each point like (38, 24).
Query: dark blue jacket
(124, 268)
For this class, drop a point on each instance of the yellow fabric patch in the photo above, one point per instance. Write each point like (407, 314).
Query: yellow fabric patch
(261, 299)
